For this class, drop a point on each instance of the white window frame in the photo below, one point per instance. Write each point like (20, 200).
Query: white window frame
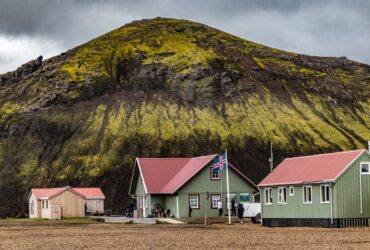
(146, 201)
(140, 198)
(268, 196)
(368, 164)
(304, 198)
(197, 199)
(326, 199)
(281, 195)
(214, 202)
(291, 188)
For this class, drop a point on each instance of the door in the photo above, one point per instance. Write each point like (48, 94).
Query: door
(140, 202)
(231, 204)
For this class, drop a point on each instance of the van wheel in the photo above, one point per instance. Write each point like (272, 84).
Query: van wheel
(257, 219)
(253, 219)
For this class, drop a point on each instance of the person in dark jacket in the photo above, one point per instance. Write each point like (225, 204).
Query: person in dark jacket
(240, 212)
(131, 208)
(233, 208)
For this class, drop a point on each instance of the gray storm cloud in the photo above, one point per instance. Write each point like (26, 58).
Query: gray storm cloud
(327, 28)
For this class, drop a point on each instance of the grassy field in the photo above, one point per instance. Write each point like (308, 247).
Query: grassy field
(15, 234)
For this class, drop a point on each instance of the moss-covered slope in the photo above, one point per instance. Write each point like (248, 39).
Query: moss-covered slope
(167, 87)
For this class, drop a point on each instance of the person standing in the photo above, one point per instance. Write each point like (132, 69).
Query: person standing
(240, 212)
(131, 208)
(233, 207)
(219, 207)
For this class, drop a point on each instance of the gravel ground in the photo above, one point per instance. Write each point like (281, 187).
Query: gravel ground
(124, 236)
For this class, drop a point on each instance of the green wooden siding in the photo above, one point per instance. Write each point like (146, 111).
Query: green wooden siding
(346, 198)
(347, 192)
(200, 184)
(295, 208)
(139, 187)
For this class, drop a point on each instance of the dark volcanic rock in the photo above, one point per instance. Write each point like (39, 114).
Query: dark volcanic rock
(167, 87)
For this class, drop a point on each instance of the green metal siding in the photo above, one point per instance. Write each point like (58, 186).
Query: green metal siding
(139, 187)
(160, 199)
(202, 183)
(295, 208)
(170, 203)
(346, 198)
(347, 192)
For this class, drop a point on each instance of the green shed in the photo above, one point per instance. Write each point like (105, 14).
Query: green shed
(328, 190)
(180, 186)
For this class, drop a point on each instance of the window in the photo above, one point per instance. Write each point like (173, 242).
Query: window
(146, 198)
(194, 200)
(268, 196)
(365, 167)
(32, 207)
(307, 195)
(291, 191)
(244, 197)
(215, 198)
(43, 204)
(282, 195)
(47, 204)
(215, 174)
(140, 202)
(325, 193)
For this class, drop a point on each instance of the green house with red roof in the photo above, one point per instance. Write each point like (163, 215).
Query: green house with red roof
(328, 190)
(180, 186)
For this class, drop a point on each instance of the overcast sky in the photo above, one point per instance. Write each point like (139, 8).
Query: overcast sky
(29, 28)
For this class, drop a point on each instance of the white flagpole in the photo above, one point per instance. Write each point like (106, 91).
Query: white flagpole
(219, 170)
(228, 188)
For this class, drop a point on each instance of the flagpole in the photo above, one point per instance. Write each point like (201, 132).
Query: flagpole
(228, 187)
(221, 196)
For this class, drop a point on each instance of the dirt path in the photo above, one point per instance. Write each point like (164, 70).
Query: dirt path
(108, 236)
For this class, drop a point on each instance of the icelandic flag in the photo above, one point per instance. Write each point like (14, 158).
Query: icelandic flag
(220, 161)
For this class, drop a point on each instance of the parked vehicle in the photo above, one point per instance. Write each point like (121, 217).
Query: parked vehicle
(253, 211)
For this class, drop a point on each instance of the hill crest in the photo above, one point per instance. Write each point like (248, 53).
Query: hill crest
(167, 87)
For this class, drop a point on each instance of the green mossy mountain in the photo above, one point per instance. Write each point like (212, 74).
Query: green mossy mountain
(167, 87)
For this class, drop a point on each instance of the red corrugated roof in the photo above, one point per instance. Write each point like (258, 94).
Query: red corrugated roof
(313, 168)
(45, 192)
(88, 193)
(167, 175)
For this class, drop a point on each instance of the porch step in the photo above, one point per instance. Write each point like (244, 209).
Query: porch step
(130, 220)
(169, 220)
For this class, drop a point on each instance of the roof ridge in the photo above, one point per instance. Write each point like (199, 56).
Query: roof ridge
(170, 158)
(175, 158)
(203, 156)
(332, 153)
